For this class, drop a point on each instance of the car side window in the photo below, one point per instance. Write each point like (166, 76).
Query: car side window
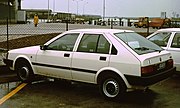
(114, 50)
(94, 43)
(176, 41)
(64, 43)
(103, 45)
(161, 39)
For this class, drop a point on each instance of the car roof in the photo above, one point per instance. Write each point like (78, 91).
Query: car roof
(100, 30)
(169, 30)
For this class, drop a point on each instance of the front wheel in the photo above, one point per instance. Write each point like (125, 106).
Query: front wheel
(24, 71)
(112, 87)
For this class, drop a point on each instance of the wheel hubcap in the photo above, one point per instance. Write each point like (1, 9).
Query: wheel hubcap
(23, 73)
(111, 88)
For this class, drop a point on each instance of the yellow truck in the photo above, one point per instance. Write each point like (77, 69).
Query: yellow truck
(152, 22)
(142, 22)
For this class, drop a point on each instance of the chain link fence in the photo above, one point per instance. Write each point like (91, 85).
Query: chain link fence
(21, 35)
(14, 36)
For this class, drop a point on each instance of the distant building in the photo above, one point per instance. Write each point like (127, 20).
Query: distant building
(163, 15)
(8, 9)
(11, 10)
(42, 13)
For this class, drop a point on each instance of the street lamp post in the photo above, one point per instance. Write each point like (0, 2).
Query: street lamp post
(48, 11)
(84, 7)
(68, 6)
(54, 6)
(68, 18)
(104, 9)
(77, 5)
(9, 10)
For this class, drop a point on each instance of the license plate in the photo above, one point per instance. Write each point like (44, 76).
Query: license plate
(161, 66)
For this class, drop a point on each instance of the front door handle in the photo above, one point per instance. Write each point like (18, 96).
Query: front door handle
(66, 55)
(102, 58)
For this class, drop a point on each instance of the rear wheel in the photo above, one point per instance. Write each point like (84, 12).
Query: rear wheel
(24, 71)
(112, 87)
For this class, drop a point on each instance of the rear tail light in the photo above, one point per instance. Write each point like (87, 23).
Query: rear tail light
(147, 69)
(156, 67)
(169, 63)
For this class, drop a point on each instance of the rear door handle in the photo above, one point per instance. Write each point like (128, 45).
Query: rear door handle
(66, 55)
(102, 58)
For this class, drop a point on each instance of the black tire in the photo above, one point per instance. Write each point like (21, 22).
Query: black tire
(24, 71)
(112, 87)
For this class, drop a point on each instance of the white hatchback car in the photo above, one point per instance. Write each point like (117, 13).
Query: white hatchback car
(168, 39)
(116, 60)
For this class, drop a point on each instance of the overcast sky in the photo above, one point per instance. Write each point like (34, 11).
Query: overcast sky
(120, 8)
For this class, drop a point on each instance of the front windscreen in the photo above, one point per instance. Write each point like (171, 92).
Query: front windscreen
(138, 43)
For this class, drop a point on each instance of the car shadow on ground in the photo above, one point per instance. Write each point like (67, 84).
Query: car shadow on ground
(90, 91)
(75, 94)
(145, 97)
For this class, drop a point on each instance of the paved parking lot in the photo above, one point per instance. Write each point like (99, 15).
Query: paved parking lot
(44, 28)
(61, 94)
(24, 30)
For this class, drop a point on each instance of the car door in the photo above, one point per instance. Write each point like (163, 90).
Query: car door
(174, 49)
(92, 54)
(55, 60)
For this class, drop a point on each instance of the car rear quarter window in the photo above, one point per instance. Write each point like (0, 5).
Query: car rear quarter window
(114, 50)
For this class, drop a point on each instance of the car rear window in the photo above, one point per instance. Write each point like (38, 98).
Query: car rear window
(138, 43)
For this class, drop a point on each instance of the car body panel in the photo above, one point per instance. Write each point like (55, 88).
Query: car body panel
(29, 53)
(56, 64)
(175, 52)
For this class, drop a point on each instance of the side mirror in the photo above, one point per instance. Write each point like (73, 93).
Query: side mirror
(43, 47)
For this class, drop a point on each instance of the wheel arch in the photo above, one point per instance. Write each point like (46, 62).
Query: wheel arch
(25, 58)
(113, 71)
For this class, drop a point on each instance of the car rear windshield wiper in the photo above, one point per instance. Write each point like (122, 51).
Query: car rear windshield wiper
(145, 48)
(141, 48)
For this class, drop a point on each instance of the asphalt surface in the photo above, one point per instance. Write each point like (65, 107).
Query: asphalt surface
(62, 94)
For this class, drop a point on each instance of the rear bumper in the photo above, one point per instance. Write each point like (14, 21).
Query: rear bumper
(150, 80)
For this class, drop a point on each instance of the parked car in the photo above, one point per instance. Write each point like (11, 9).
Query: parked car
(116, 60)
(168, 39)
